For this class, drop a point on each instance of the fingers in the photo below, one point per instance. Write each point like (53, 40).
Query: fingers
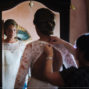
(55, 40)
(48, 46)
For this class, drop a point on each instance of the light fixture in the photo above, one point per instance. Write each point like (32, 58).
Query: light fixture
(31, 3)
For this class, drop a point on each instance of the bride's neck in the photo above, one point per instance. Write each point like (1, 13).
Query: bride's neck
(10, 40)
(45, 38)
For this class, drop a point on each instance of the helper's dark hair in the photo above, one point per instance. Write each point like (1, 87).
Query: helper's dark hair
(83, 45)
(44, 21)
(8, 23)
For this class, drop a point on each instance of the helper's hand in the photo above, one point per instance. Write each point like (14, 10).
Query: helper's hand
(48, 50)
(55, 40)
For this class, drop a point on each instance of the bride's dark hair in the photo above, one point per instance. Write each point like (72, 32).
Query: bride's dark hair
(44, 21)
(9, 22)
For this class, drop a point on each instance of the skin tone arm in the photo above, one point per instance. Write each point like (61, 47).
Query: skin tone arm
(52, 77)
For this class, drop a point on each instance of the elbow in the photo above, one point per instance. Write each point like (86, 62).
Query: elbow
(54, 78)
(47, 75)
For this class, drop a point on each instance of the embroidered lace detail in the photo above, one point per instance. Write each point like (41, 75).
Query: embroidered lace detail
(30, 56)
(12, 53)
(68, 58)
(13, 46)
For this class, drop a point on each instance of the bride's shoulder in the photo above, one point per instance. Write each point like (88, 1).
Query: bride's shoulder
(39, 43)
(32, 44)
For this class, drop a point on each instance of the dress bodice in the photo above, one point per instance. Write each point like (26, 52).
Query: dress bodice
(31, 54)
(12, 53)
(38, 48)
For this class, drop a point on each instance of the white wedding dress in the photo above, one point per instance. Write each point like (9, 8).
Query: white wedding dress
(11, 53)
(31, 55)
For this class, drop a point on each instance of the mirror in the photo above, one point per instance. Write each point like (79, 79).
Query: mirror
(23, 14)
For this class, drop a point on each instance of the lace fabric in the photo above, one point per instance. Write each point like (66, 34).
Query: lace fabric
(30, 56)
(12, 53)
(68, 58)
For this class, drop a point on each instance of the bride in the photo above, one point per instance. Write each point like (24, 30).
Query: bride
(12, 52)
(34, 57)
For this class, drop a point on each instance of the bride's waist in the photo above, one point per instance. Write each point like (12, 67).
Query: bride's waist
(36, 81)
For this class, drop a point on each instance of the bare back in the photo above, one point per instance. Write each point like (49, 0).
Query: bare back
(34, 59)
(38, 68)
